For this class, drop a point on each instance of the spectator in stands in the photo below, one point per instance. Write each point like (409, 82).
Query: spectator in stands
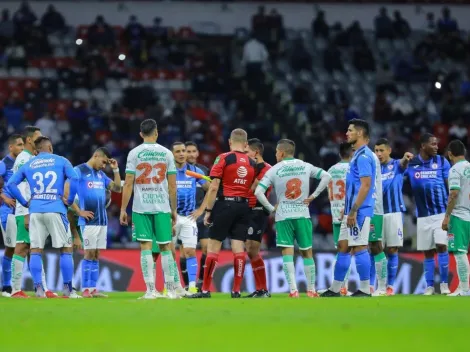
(48, 127)
(401, 27)
(259, 24)
(7, 28)
(336, 96)
(383, 25)
(319, 26)
(52, 21)
(332, 59)
(402, 109)
(37, 44)
(101, 34)
(430, 23)
(447, 24)
(300, 57)
(77, 114)
(451, 109)
(16, 55)
(157, 31)
(24, 16)
(13, 113)
(355, 35)
(363, 59)
(277, 33)
(382, 108)
(459, 131)
(384, 79)
(135, 36)
(255, 57)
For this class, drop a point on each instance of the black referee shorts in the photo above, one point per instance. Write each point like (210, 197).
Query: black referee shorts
(258, 224)
(230, 219)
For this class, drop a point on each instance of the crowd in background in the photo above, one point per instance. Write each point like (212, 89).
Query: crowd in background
(232, 84)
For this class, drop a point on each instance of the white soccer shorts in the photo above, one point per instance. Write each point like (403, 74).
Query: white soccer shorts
(55, 224)
(393, 230)
(430, 232)
(94, 237)
(186, 231)
(9, 233)
(356, 236)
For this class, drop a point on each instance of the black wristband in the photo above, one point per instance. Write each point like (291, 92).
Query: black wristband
(208, 210)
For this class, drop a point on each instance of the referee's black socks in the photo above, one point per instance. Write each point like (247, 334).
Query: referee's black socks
(184, 271)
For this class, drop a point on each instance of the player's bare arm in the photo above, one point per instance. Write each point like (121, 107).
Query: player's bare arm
(77, 242)
(8, 201)
(324, 181)
(210, 199)
(260, 195)
(366, 183)
(453, 195)
(406, 160)
(126, 196)
(115, 185)
(172, 195)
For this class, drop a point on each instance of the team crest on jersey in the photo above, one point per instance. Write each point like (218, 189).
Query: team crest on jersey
(417, 175)
(390, 167)
(434, 166)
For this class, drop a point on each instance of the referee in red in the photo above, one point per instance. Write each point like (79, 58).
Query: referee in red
(227, 209)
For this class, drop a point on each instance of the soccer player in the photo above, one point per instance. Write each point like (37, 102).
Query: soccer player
(358, 211)
(428, 174)
(394, 206)
(337, 194)
(192, 153)
(186, 228)
(259, 221)
(290, 179)
(377, 256)
(7, 210)
(46, 175)
(457, 217)
(227, 210)
(151, 174)
(30, 134)
(91, 187)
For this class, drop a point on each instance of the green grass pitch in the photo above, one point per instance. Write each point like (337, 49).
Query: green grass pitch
(123, 323)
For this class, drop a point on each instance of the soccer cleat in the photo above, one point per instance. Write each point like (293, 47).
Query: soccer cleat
(359, 293)
(294, 294)
(458, 292)
(372, 289)
(329, 293)
(236, 295)
(50, 294)
(171, 294)
(379, 293)
(199, 285)
(200, 295)
(181, 292)
(263, 294)
(39, 291)
(193, 289)
(444, 288)
(87, 294)
(158, 295)
(148, 295)
(343, 291)
(73, 295)
(429, 291)
(6, 291)
(96, 294)
(165, 291)
(19, 294)
(252, 295)
(312, 294)
(390, 291)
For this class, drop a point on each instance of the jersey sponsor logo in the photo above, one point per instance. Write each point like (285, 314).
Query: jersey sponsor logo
(216, 161)
(96, 184)
(184, 184)
(150, 155)
(243, 160)
(466, 172)
(426, 174)
(241, 172)
(42, 163)
(250, 230)
(388, 176)
(290, 171)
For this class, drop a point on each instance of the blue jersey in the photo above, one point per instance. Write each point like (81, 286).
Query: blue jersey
(46, 175)
(392, 186)
(6, 171)
(362, 165)
(428, 183)
(91, 190)
(186, 189)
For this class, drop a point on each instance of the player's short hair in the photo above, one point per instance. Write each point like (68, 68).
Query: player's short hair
(147, 127)
(29, 131)
(255, 144)
(426, 137)
(287, 146)
(191, 144)
(40, 141)
(382, 141)
(361, 124)
(345, 150)
(177, 143)
(238, 135)
(12, 139)
(104, 151)
(457, 148)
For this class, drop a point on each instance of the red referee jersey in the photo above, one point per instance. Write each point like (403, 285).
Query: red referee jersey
(236, 172)
(262, 168)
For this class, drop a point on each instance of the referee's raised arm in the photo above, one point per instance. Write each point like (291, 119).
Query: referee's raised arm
(227, 209)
